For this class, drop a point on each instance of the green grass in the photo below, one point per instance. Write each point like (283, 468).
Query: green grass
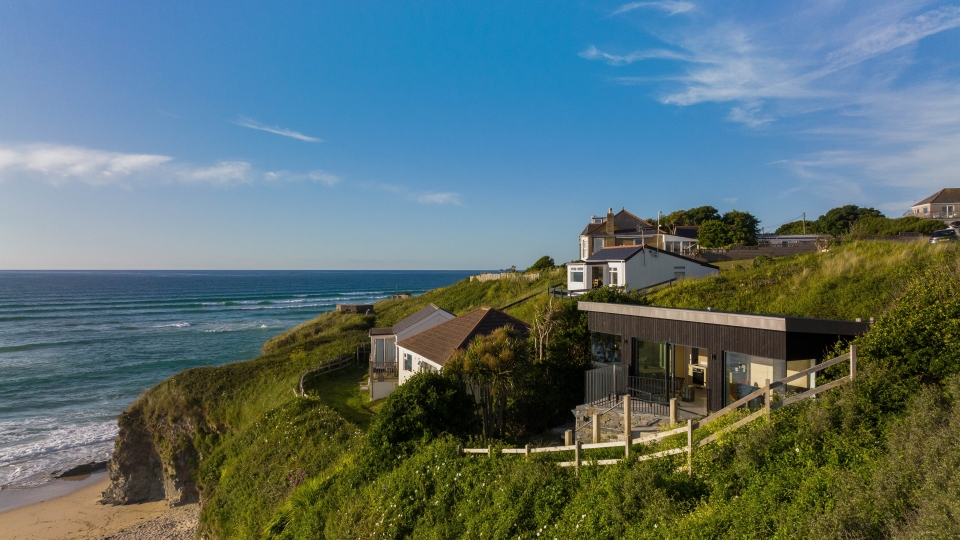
(856, 279)
(340, 390)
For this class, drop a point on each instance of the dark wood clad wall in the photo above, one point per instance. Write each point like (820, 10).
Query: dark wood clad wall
(801, 346)
(713, 337)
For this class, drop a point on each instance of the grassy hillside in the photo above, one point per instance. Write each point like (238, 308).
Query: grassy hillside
(858, 279)
(850, 465)
(875, 459)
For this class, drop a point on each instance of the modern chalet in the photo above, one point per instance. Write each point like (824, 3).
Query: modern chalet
(705, 359)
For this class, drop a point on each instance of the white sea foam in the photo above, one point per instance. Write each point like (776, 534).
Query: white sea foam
(33, 449)
(174, 325)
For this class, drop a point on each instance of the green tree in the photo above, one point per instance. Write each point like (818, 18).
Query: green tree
(488, 368)
(714, 234)
(543, 263)
(838, 220)
(745, 227)
(700, 214)
(797, 227)
(423, 408)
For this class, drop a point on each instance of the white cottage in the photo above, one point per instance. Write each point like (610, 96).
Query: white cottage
(633, 267)
(384, 370)
(430, 350)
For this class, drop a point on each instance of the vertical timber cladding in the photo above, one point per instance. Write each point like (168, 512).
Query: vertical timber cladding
(713, 337)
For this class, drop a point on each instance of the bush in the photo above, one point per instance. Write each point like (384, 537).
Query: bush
(423, 408)
(543, 263)
(714, 234)
(761, 261)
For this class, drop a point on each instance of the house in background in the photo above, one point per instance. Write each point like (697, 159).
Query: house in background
(384, 372)
(626, 229)
(620, 229)
(430, 350)
(943, 205)
(633, 267)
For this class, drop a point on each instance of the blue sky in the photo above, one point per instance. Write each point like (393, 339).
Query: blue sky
(451, 135)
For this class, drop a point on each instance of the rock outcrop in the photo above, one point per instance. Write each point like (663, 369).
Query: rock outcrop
(152, 461)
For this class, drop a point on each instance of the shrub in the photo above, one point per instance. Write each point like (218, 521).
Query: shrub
(543, 263)
(423, 408)
(714, 234)
(761, 261)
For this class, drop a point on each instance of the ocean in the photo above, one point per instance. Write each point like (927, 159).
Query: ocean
(76, 348)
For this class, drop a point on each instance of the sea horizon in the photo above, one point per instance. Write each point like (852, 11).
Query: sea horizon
(78, 346)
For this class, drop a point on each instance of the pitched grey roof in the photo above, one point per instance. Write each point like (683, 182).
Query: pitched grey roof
(407, 322)
(624, 253)
(420, 315)
(945, 195)
(618, 253)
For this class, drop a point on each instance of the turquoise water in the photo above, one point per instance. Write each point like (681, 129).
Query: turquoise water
(77, 347)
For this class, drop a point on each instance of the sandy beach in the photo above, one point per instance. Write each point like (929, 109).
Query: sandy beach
(78, 515)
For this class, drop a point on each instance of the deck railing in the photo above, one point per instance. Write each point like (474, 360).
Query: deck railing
(766, 394)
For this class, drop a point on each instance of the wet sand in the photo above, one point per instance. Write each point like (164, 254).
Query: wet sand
(79, 515)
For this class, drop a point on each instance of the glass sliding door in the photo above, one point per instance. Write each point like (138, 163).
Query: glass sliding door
(652, 369)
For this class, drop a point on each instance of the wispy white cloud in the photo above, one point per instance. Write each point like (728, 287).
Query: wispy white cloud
(226, 172)
(672, 7)
(243, 121)
(844, 73)
(60, 164)
(320, 176)
(439, 198)
(592, 53)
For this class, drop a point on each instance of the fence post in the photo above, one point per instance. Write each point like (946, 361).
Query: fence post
(767, 399)
(673, 411)
(627, 431)
(490, 451)
(690, 447)
(459, 449)
(568, 437)
(596, 428)
(853, 362)
(576, 456)
(526, 450)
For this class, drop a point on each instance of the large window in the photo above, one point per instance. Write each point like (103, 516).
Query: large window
(605, 347)
(613, 277)
(651, 359)
(576, 274)
(408, 361)
(744, 374)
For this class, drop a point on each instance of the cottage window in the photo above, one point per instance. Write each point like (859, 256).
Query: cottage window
(613, 277)
(576, 275)
(408, 361)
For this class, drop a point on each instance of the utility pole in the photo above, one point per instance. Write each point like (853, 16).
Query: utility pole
(659, 233)
(803, 216)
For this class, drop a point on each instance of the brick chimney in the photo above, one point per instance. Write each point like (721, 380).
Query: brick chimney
(610, 230)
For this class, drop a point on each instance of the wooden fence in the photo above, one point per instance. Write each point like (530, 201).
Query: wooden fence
(339, 362)
(766, 394)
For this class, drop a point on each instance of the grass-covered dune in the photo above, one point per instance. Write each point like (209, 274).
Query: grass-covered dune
(875, 459)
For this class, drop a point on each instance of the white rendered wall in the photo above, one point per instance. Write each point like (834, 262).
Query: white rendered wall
(405, 374)
(574, 286)
(651, 267)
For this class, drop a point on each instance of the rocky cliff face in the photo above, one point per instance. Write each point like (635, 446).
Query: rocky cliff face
(152, 461)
